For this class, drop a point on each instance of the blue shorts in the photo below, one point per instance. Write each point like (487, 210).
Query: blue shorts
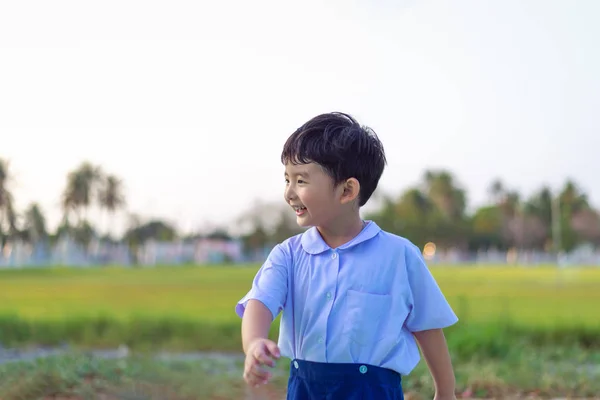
(329, 381)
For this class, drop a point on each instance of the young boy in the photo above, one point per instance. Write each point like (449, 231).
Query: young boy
(354, 297)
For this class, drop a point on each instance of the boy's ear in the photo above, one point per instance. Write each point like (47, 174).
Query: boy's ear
(351, 189)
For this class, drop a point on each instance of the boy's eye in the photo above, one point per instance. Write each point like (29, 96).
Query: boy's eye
(301, 181)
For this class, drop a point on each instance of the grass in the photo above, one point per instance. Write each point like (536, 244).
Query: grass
(521, 329)
(77, 376)
(192, 308)
(530, 296)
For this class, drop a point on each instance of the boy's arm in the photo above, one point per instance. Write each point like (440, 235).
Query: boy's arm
(435, 351)
(430, 313)
(258, 348)
(255, 323)
(258, 308)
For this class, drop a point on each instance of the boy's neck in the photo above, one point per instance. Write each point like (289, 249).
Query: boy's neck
(343, 231)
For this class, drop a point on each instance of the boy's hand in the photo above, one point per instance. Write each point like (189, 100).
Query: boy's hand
(260, 352)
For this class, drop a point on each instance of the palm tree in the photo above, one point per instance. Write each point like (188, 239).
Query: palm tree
(572, 199)
(540, 205)
(415, 216)
(35, 223)
(78, 194)
(7, 210)
(111, 197)
(415, 202)
(443, 191)
(5, 195)
(77, 198)
(496, 191)
(510, 204)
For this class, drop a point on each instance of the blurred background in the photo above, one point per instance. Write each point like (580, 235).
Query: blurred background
(141, 185)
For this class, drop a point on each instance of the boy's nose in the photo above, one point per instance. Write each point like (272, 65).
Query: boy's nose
(289, 194)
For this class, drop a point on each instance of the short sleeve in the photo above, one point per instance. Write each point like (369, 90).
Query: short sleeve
(429, 307)
(270, 284)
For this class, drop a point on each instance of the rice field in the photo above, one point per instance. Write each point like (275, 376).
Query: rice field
(530, 296)
(192, 307)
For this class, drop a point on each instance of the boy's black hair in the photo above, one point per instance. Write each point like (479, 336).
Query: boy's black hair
(342, 147)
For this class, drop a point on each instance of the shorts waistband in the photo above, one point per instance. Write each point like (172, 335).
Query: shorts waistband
(322, 372)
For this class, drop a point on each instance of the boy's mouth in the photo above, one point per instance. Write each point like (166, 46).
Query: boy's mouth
(299, 210)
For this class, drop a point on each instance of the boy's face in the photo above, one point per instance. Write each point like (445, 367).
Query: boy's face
(310, 191)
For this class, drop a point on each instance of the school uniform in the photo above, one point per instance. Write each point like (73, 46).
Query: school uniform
(349, 313)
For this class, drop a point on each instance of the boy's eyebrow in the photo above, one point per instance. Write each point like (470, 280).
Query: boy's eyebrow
(303, 174)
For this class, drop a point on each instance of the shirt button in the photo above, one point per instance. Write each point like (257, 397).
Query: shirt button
(328, 295)
(363, 369)
(334, 255)
(321, 340)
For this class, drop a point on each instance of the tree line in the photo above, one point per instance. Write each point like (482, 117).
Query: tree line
(434, 210)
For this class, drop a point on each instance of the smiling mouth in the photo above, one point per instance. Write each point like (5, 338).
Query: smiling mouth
(299, 210)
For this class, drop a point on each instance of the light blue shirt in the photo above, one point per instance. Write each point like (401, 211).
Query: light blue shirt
(358, 303)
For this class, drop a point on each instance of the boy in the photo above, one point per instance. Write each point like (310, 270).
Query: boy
(354, 298)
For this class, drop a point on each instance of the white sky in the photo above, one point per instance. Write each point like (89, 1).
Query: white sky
(191, 103)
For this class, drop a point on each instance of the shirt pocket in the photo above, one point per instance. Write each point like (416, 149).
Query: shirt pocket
(363, 316)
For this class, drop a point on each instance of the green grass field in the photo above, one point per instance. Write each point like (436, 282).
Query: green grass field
(541, 296)
(177, 302)
(193, 307)
(521, 330)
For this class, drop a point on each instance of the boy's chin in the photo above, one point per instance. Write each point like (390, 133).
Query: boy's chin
(303, 222)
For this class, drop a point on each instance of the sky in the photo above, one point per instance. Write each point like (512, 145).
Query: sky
(189, 102)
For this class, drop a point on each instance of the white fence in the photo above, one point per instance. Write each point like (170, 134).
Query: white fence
(66, 252)
(212, 251)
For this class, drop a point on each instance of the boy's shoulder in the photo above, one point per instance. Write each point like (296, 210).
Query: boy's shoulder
(291, 244)
(396, 244)
(396, 239)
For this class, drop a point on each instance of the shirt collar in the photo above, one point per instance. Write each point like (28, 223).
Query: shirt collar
(313, 243)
